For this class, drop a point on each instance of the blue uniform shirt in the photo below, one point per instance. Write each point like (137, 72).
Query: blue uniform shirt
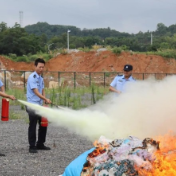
(119, 82)
(34, 81)
(1, 83)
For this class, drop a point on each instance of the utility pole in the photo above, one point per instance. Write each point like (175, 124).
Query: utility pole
(68, 40)
(21, 18)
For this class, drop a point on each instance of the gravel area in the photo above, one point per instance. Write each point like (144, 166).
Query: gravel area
(65, 146)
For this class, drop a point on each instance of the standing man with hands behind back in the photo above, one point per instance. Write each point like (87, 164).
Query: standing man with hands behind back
(36, 95)
(119, 83)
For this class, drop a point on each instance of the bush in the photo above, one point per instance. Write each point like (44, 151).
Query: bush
(63, 51)
(33, 58)
(12, 56)
(47, 57)
(117, 50)
(85, 49)
(167, 53)
(22, 59)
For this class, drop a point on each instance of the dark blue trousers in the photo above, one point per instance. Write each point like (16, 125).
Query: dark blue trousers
(33, 120)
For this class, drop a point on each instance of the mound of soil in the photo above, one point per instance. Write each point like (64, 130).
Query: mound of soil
(99, 62)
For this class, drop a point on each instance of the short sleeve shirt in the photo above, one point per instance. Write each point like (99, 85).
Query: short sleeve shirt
(1, 83)
(119, 82)
(34, 81)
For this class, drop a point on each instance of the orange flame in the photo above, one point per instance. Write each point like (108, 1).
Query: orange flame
(165, 163)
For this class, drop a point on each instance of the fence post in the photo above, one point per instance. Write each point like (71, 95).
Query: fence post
(89, 78)
(5, 84)
(59, 83)
(24, 79)
(74, 80)
(104, 79)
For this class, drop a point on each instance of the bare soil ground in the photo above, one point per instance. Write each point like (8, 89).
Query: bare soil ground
(99, 62)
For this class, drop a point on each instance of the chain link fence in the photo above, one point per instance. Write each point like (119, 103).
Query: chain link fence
(18, 79)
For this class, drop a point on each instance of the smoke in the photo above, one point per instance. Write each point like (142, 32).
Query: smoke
(146, 109)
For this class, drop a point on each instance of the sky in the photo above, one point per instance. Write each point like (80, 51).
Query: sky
(129, 16)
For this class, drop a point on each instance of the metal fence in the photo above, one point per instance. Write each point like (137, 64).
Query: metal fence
(17, 79)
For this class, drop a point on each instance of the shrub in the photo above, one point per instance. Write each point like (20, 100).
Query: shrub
(22, 59)
(167, 53)
(85, 49)
(33, 58)
(12, 56)
(117, 50)
(63, 51)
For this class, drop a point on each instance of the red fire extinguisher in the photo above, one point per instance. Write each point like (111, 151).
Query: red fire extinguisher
(44, 120)
(5, 110)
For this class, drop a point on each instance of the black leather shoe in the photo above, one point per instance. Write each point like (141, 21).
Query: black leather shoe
(43, 147)
(33, 150)
(2, 154)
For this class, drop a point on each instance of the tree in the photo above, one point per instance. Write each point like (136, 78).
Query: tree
(3, 26)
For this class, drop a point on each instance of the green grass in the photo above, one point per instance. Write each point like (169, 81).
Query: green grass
(76, 98)
(64, 96)
(19, 94)
(13, 115)
(166, 53)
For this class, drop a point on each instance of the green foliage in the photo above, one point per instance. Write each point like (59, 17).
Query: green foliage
(14, 116)
(33, 58)
(167, 53)
(63, 51)
(12, 56)
(76, 98)
(107, 74)
(19, 94)
(93, 94)
(17, 41)
(22, 59)
(117, 50)
(3, 26)
(44, 38)
(85, 49)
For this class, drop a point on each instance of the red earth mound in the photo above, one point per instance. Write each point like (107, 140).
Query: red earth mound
(99, 62)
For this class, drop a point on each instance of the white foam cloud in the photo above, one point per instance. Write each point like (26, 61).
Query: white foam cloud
(147, 109)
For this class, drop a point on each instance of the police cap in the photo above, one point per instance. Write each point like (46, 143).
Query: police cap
(128, 67)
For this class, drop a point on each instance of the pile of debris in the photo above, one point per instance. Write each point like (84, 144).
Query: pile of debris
(120, 157)
(127, 157)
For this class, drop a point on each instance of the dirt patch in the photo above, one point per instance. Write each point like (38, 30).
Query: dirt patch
(99, 62)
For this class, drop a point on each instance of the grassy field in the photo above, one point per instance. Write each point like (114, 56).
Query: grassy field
(63, 96)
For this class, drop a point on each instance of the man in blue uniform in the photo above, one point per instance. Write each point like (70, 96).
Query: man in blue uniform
(3, 94)
(119, 83)
(2, 89)
(36, 95)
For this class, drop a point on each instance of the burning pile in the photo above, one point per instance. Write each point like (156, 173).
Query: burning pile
(131, 157)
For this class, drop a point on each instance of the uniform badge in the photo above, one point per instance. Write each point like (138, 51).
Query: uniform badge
(34, 76)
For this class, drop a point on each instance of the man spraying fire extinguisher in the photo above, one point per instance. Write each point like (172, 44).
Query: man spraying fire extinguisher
(36, 95)
(3, 94)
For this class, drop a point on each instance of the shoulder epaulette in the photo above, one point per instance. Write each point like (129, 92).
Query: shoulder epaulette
(120, 75)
